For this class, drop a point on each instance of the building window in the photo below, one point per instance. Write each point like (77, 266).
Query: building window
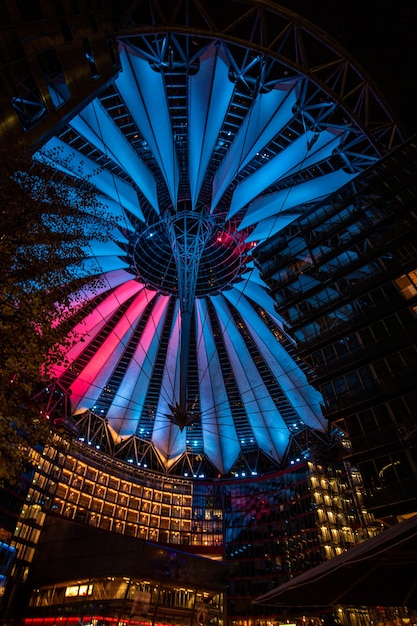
(89, 55)
(54, 76)
(407, 284)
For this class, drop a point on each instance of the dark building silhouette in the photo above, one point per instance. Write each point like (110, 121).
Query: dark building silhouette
(54, 57)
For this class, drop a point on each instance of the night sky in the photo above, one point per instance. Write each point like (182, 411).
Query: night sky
(379, 34)
(382, 36)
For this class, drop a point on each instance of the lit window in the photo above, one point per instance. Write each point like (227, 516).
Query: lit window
(407, 284)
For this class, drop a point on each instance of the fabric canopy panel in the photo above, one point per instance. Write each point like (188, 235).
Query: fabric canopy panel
(201, 149)
(381, 571)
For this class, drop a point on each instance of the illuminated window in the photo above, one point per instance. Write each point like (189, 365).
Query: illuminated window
(78, 590)
(407, 285)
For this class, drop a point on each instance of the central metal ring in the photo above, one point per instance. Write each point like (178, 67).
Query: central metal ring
(221, 254)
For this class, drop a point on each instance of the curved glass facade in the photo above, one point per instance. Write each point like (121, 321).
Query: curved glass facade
(136, 601)
(85, 513)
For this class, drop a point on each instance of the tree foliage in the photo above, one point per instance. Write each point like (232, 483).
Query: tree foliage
(46, 222)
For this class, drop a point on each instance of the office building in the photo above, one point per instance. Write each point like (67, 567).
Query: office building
(343, 278)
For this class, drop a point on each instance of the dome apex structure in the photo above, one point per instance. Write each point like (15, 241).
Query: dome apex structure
(221, 128)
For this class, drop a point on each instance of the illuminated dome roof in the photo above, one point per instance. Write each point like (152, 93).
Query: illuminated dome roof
(220, 129)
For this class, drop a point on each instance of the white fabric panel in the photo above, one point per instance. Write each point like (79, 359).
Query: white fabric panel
(97, 248)
(270, 431)
(269, 114)
(101, 131)
(143, 91)
(93, 323)
(295, 157)
(252, 276)
(302, 396)
(255, 290)
(209, 92)
(260, 296)
(89, 384)
(220, 439)
(286, 199)
(271, 226)
(110, 281)
(65, 158)
(92, 266)
(169, 441)
(90, 220)
(115, 209)
(125, 411)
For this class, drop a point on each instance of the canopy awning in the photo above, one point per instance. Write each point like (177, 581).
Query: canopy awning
(381, 571)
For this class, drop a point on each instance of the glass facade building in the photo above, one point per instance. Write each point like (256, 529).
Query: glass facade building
(343, 277)
(258, 532)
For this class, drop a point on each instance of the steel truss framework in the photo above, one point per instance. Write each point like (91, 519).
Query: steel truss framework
(222, 127)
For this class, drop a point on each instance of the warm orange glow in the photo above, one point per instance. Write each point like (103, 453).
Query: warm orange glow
(91, 619)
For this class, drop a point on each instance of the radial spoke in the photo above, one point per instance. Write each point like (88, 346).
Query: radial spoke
(216, 134)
